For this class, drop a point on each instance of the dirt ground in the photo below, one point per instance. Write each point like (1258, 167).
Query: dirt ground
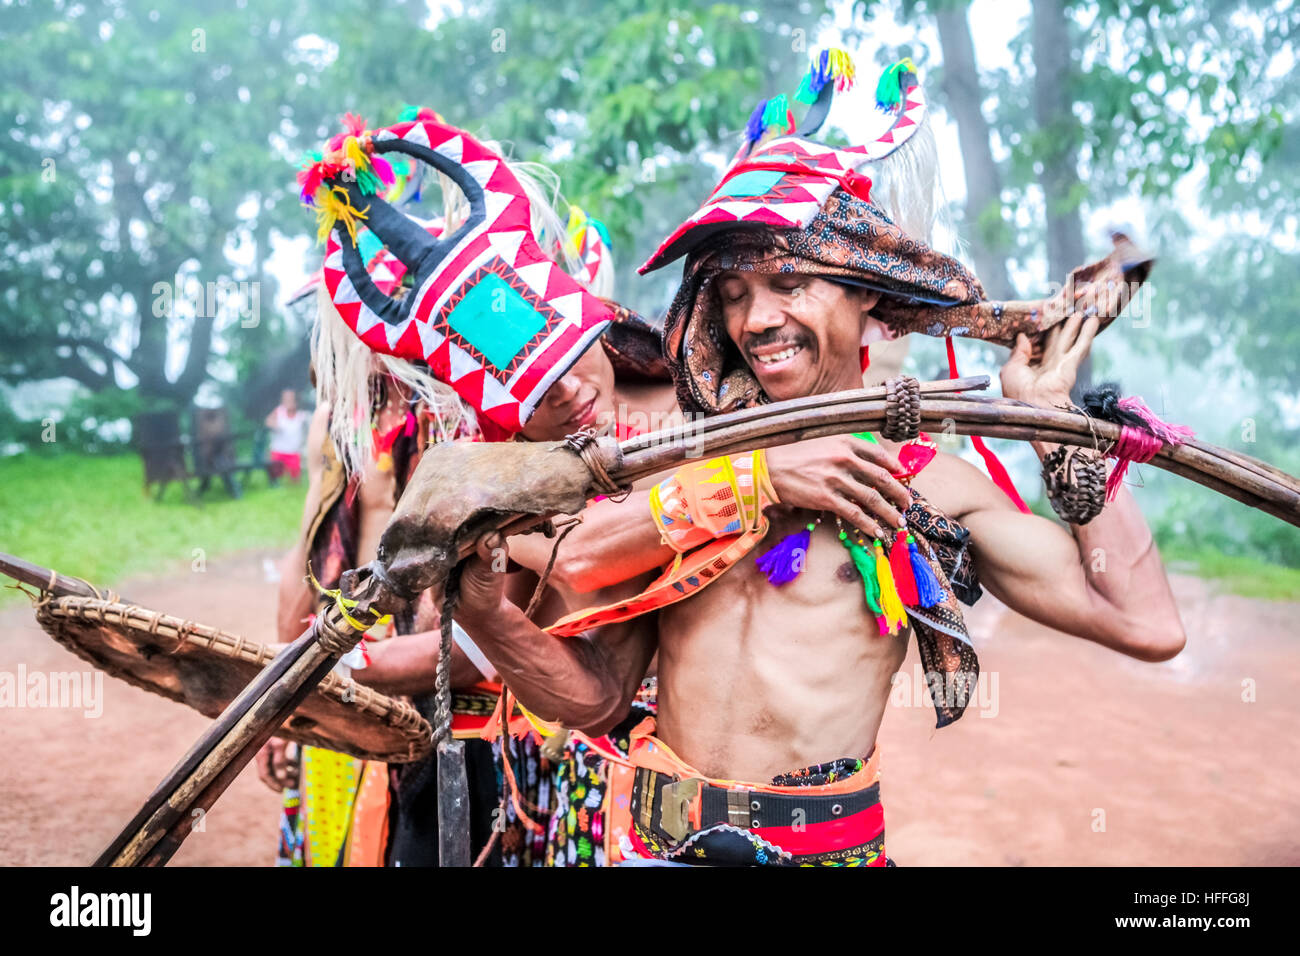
(1074, 755)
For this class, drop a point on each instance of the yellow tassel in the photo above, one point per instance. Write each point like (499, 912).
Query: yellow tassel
(353, 151)
(841, 65)
(576, 228)
(332, 205)
(890, 603)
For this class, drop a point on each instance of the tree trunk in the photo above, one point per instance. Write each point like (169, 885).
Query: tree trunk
(1059, 128)
(961, 90)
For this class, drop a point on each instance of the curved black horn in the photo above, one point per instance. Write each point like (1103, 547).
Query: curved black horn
(406, 239)
(816, 115)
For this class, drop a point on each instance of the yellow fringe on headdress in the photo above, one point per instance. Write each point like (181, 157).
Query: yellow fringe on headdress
(576, 230)
(333, 205)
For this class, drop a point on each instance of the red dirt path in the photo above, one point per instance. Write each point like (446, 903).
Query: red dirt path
(1184, 771)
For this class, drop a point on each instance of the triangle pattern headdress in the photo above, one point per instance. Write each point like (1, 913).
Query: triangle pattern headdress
(489, 312)
(783, 183)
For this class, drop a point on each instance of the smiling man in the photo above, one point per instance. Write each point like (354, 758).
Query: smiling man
(774, 673)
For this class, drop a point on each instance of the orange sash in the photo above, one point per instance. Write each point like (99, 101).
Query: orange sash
(722, 496)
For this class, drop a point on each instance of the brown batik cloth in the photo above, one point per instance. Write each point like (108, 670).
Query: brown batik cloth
(852, 240)
(948, 659)
(634, 346)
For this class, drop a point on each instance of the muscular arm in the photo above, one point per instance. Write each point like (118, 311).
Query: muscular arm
(1103, 581)
(408, 664)
(615, 541)
(583, 682)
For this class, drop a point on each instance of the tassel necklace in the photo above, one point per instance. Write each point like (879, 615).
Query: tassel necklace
(891, 582)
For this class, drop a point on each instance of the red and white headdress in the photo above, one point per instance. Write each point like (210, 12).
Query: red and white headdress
(489, 312)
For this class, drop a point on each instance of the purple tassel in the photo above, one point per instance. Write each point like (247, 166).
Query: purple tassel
(754, 128)
(783, 562)
(928, 591)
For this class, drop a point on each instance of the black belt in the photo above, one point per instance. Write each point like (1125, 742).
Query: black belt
(662, 804)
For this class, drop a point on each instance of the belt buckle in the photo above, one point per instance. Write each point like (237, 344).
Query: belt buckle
(738, 808)
(675, 807)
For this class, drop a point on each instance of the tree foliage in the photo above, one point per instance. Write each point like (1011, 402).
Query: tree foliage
(154, 141)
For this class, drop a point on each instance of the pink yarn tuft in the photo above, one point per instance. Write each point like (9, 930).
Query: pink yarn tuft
(1139, 445)
(1169, 434)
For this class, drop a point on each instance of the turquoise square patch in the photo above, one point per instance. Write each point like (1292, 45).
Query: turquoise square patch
(496, 320)
(756, 182)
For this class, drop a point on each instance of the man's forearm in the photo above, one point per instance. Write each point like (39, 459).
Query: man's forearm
(408, 664)
(615, 541)
(564, 679)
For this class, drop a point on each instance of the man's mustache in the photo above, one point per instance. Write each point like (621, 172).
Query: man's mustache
(773, 337)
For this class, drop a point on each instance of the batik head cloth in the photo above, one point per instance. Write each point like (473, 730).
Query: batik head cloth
(489, 312)
(796, 206)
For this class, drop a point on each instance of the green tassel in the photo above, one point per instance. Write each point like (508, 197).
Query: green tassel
(774, 114)
(368, 183)
(805, 92)
(866, 565)
(408, 113)
(889, 92)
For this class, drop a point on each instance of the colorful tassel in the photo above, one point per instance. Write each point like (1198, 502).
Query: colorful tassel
(776, 112)
(783, 562)
(410, 114)
(754, 128)
(928, 591)
(1167, 433)
(890, 604)
(1140, 443)
(889, 89)
(805, 92)
(866, 570)
(575, 230)
(901, 568)
(830, 64)
(332, 205)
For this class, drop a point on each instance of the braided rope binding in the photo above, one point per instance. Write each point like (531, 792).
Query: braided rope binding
(1075, 479)
(583, 444)
(442, 681)
(902, 409)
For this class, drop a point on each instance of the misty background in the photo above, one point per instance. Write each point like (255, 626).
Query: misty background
(152, 143)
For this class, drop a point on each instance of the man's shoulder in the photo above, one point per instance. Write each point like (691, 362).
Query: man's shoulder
(958, 488)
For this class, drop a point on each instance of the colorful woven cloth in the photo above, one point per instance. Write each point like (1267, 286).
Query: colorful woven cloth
(289, 852)
(593, 791)
(329, 786)
(710, 499)
(690, 570)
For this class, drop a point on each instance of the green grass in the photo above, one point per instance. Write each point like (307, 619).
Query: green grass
(89, 517)
(1246, 576)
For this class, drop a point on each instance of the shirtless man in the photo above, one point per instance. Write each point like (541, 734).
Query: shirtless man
(787, 685)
